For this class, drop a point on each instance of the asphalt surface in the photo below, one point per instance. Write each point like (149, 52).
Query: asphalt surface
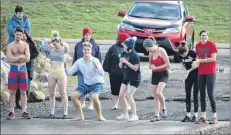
(174, 94)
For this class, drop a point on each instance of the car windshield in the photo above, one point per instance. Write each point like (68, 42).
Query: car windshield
(155, 10)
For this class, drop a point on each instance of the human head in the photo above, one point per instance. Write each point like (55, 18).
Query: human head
(149, 43)
(87, 34)
(183, 50)
(19, 11)
(129, 43)
(87, 49)
(25, 35)
(203, 36)
(56, 39)
(18, 33)
(122, 37)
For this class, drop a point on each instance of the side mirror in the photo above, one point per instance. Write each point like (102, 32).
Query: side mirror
(121, 13)
(190, 19)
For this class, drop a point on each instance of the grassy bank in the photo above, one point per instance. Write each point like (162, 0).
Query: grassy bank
(70, 17)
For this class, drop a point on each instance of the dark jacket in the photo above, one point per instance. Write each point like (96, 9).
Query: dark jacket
(78, 52)
(111, 61)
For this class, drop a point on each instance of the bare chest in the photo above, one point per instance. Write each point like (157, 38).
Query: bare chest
(17, 50)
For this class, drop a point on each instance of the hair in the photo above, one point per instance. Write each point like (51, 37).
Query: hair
(33, 50)
(183, 48)
(19, 29)
(87, 44)
(202, 31)
(55, 36)
(153, 40)
(19, 9)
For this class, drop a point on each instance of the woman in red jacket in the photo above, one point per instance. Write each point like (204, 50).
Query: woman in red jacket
(158, 63)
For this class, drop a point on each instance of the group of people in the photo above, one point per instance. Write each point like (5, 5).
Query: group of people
(123, 65)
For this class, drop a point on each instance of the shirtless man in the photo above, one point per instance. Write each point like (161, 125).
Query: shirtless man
(18, 54)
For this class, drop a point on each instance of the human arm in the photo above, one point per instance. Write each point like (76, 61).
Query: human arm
(10, 28)
(28, 26)
(11, 58)
(98, 66)
(98, 53)
(106, 62)
(26, 57)
(74, 68)
(135, 60)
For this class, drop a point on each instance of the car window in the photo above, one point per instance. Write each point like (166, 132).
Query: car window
(155, 11)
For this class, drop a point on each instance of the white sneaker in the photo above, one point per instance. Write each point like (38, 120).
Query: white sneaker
(133, 118)
(123, 117)
(164, 113)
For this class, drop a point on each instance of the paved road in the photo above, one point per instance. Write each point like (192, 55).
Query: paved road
(175, 97)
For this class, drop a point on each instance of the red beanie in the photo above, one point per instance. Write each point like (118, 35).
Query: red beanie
(122, 37)
(86, 30)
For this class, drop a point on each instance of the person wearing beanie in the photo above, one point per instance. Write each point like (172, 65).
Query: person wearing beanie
(78, 53)
(130, 64)
(159, 64)
(111, 65)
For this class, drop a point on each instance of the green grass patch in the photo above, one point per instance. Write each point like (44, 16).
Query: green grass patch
(71, 17)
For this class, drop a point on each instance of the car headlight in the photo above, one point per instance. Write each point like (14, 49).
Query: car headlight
(172, 30)
(127, 26)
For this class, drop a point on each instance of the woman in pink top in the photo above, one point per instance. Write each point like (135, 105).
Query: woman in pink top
(158, 63)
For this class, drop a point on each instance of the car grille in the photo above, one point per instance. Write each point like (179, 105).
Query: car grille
(157, 38)
(157, 30)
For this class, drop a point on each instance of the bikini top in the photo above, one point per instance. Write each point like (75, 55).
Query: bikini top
(57, 55)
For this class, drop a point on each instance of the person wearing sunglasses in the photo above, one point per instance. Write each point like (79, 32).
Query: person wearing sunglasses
(159, 64)
(187, 57)
(206, 52)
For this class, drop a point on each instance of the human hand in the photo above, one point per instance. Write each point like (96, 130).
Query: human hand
(195, 64)
(96, 64)
(153, 67)
(124, 60)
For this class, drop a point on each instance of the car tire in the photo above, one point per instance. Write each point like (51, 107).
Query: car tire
(176, 58)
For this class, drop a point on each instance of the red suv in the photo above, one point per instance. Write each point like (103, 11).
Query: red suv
(167, 21)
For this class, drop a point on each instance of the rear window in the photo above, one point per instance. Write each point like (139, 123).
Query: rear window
(155, 11)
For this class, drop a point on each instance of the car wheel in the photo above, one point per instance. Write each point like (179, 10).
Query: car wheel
(176, 58)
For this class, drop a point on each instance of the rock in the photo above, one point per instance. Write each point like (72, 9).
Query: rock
(5, 68)
(36, 96)
(5, 96)
(43, 77)
(45, 85)
(2, 54)
(33, 86)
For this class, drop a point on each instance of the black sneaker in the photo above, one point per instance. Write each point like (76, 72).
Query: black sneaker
(186, 119)
(26, 115)
(64, 117)
(156, 118)
(10, 116)
(194, 118)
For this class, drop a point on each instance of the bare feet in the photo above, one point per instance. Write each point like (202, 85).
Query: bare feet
(79, 118)
(83, 105)
(101, 118)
